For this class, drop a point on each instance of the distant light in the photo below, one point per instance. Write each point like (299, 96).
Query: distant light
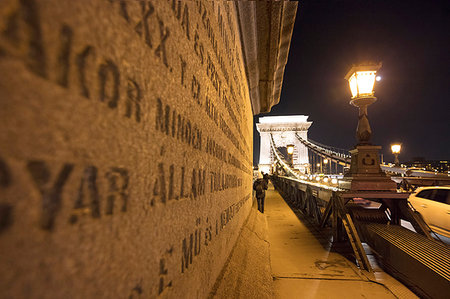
(317, 178)
(325, 180)
(290, 149)
(378, 78)
(334, 181)
(396, 148)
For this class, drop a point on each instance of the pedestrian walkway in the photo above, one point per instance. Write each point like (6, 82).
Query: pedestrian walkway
(304, 267)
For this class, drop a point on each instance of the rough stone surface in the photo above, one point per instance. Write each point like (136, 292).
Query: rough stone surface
(125, 147)
(247, 273)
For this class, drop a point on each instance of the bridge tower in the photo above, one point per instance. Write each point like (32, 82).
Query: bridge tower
(283, 129)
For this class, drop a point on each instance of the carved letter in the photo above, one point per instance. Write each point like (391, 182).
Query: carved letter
(117, 189)
(5, 216)
(81, 65)
(183, 70)
(64, 55)
(195, 89)
(89, 182)
(160, 51)
(51, 196)
(109, 68)
(124, 11)
(159, 116)
(142, 27)
(186, 256)
(171, 181)
(36, 55)
(134, 97)
(194, 185)
(185, 21)
(5, 175)
(159, 187)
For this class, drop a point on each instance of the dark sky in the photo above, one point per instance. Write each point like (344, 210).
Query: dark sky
(411, 39)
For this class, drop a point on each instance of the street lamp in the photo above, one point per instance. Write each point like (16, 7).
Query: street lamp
(290, 151)
(361, 80)
(318, 167)
(365, 172)
(325, 161)
(396, 148)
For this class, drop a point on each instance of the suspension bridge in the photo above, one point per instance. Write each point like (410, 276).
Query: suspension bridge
(358, 217)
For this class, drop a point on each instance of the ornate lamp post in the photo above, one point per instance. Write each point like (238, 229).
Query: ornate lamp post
(365, 173)
(290, 151)
(325, 161)
(396, 148)
(362, 80)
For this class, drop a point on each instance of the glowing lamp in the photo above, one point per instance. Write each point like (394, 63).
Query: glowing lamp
(290, 149)
(396, 148)
(334, 181)
(361, 80)
(318, 164)
(325, 161)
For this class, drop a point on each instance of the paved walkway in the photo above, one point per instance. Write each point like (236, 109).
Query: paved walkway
(303, 266)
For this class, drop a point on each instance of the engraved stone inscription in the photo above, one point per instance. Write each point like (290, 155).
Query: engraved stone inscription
(127, 146)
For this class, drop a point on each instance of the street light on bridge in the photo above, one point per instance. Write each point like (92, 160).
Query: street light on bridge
(396, 148)
(361, 80)
(325, 161)
(365, 172)
(290, 151)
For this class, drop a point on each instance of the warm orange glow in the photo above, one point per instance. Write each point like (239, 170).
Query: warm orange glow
(318, 164)
(361, 83)
(290, 149)
(396, 148)
(361, 80)
(325, 161)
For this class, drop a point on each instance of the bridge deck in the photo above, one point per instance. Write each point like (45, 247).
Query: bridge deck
(304, 267)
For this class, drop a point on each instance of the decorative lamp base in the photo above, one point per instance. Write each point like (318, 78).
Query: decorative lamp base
(365, 173)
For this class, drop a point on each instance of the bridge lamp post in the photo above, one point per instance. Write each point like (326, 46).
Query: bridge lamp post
(325, 161)
(290, 151)
(396, 148)
(365, 172)
(362, 81)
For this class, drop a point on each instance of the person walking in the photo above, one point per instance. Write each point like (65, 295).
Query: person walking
(260, 185)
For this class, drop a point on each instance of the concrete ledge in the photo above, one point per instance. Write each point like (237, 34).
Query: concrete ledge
(247, 272)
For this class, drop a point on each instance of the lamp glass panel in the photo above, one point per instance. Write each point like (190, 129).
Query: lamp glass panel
(353, 86)
(365, 82)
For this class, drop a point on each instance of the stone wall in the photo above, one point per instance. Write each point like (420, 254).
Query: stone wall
(125, 147)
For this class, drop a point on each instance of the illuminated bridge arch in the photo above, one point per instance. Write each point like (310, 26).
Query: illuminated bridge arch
(279, 131)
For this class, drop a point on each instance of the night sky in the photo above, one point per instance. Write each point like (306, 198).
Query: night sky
(410, 38)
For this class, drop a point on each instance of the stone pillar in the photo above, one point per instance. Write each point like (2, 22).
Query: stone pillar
(284, 130)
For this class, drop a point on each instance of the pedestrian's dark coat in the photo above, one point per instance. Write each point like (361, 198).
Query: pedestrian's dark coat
(260, 185)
